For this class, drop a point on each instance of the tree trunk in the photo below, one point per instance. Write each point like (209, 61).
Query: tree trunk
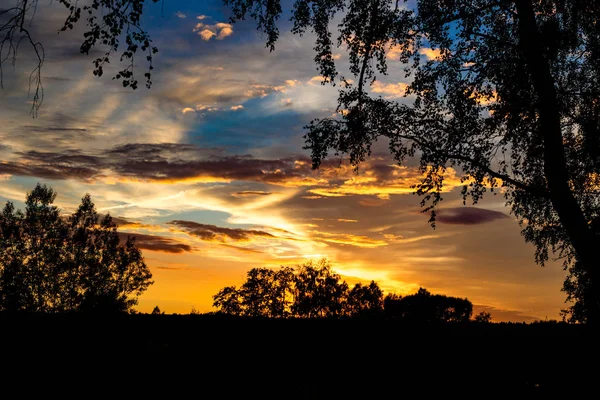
(555, 168)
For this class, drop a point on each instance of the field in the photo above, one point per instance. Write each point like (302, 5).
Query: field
(211, 356)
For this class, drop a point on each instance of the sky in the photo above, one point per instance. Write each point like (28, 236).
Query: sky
(207, 169)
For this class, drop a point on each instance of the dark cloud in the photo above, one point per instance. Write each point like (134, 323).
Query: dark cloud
(41, 128)
(123, 221)
(56, 131)
(217, 233)
(170, 162)
(159, 151)
(157, 162)
(156, 243)
(48, 171)
(468, 215)
(68, 165)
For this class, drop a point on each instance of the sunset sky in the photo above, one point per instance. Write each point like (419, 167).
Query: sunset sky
(207, 170)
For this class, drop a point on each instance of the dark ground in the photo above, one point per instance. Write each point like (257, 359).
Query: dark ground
(215, 357)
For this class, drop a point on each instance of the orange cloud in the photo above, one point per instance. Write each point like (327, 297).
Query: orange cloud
(431, 54)
(348, 239)
(391, 90)
(220, 30)
(400, 180)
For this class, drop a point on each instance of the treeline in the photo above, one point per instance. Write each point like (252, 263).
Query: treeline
(50, 263)
(313, 290)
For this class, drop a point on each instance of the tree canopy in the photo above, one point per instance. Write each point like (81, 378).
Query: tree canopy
(426, 307)
(509, 96)
(53, 264)
(311, 290)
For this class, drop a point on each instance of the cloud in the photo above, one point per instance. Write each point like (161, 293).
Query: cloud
(185, 163)
(156, 243)
(381, 179)
(181, 15)
(236, 108)
(430, 54)
(188, 110)
(390, 90)
(220, 30)
(348, 239)
(315, 80)
(468, 215)
(213, 233)
(206, 108)
(248, 193)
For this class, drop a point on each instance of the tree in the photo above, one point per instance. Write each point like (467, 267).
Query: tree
(364, 300)
(156, 311)
(509, 96)
(426, 307)
(319, 292)
(312, 290)
(483, 317)
(52, 264)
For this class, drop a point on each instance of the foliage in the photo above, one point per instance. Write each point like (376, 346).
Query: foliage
(426, 307)
(483, 317)
(108, 22)
(311, 290)
(52, 264)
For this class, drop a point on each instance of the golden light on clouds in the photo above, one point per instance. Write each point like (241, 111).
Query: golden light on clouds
(389, 90)
(348, 239)
(431, 54)
(400, 181)
(219, 30)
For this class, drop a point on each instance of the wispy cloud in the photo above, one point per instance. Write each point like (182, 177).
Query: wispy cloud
(156, 243)
(215, 233)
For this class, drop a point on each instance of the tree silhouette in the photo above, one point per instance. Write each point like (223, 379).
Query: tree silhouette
(364, 300)
(424, 307)
(312, 290)
(156, 311)
(483, 317)
(49, 264)
(319, 291)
